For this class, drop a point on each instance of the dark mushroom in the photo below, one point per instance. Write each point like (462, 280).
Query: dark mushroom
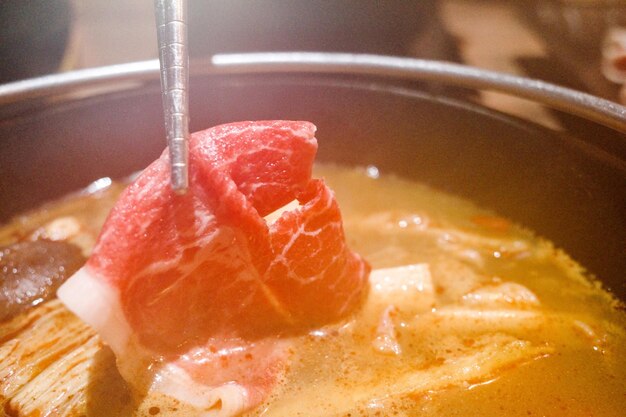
(31, 272)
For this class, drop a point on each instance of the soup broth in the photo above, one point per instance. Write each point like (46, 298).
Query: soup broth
(467, 314)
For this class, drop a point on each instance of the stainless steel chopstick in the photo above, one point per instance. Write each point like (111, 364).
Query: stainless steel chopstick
(171, 18)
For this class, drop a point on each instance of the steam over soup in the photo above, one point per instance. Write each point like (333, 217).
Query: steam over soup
(465, 313)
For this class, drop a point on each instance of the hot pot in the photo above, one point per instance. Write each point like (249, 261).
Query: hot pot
(417, 119)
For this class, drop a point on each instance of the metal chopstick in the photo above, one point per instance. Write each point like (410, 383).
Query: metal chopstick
(171, 18)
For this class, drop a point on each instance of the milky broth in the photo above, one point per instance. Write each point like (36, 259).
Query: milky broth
(467, 314)
(579, 367)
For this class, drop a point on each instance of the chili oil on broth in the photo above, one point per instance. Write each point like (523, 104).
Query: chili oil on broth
(489, 320)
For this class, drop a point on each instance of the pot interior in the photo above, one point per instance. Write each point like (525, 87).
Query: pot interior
(563, 187)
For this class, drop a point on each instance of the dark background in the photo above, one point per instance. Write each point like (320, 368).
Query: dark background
(554, 40)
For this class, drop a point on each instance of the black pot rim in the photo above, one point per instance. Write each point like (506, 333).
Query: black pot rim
(574, 102)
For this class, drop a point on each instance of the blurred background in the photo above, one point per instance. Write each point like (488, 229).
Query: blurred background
(576, 43)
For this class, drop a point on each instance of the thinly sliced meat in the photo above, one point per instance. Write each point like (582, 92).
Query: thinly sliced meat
(313, 274)
(225, 378)
(178, 275)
